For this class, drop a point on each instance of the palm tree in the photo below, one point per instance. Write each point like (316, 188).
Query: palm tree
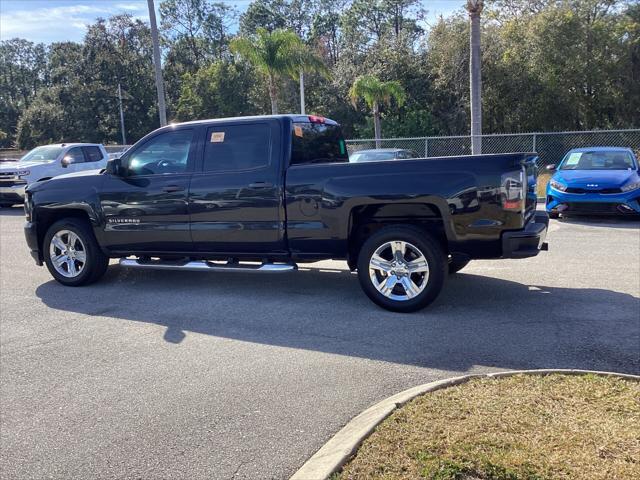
(376, 92)
(474, 7)
(277, 54)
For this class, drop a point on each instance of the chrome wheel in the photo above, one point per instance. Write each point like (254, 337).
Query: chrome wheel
(399, 270)
(67, 253)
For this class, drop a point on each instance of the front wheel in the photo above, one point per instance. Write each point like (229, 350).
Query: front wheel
(72, 254)
(401, 268)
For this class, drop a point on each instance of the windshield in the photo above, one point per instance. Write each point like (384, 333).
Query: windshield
(597, 161)
(42, 154)
(371, 156)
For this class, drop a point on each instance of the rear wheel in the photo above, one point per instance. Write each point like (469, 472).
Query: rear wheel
(554, 215)
(72, 254)
(401, 268)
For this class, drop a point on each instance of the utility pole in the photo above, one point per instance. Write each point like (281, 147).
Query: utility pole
(162, 111)
(474, 7)
(302, 92)
(124, 137)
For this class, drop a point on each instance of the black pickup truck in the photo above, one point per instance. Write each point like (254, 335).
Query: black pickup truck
(265, 193)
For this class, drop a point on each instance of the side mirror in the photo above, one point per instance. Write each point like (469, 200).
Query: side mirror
(114, 166)
(66, 161)
(550, 168)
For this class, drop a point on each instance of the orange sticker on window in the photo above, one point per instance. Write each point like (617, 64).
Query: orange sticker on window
(217, 137)
(297, 129)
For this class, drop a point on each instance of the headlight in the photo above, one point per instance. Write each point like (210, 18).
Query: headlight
(631, 186)
(558, 186)
(22, 173)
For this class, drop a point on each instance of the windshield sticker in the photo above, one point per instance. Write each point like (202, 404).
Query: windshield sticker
(297, 129)
(217, 137)
(573, 159)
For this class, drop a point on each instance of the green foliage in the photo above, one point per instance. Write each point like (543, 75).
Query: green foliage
(375, 92)
(276, 54)
(223, 89)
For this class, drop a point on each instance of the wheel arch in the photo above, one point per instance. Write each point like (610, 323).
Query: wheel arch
(45, 217)
(365, 220)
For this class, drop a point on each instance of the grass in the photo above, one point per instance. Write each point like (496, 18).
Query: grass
(523, 427)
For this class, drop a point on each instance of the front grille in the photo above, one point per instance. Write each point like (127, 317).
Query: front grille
(603, 191)
(8, 176)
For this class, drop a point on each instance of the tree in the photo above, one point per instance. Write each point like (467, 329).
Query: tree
(223, 89)
(295, 15)
(23, 70)
(376, 93)
(277, 55)
(204, 27)
(474, 7)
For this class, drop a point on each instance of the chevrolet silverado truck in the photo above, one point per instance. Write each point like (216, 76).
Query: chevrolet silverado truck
(264, 194)
(46, 162)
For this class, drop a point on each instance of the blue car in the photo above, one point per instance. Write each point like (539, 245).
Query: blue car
(595, 180)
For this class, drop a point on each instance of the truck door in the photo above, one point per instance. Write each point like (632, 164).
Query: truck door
(145, 206)
(235, 199)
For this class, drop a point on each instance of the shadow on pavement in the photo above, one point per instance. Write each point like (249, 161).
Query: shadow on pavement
(16, 211)
(476, 321)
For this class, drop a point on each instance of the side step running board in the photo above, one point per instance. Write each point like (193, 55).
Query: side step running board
(209, 266)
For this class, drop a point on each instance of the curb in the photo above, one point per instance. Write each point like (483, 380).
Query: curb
(335, 453)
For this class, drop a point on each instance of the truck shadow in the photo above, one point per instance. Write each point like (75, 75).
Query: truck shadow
(476, 321)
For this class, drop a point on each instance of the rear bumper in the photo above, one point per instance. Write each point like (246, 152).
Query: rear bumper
(31, 235)
(529, 241)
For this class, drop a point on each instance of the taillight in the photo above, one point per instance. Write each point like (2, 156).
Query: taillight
(512, 191)
(316, 119)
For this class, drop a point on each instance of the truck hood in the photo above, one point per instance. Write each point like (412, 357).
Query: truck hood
(601, 178)
(14, 166)
(82, 173)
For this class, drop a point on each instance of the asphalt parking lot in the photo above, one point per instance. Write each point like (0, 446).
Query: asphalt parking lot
(161, 375)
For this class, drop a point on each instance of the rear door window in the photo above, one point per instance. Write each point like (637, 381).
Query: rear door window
(92, 154)
(233, 148)
(317, 143)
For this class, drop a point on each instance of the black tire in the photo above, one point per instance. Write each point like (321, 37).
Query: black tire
(554, 215)
(455, 267)
(424, 244)
(96, 262)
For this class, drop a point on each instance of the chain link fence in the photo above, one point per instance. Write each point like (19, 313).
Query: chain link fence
(550, 146)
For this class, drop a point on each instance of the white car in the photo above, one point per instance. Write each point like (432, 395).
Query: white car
(45, 162)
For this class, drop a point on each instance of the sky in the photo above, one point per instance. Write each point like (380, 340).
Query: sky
(65, 20)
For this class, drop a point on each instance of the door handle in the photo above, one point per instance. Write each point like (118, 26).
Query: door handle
(173, 188)
(261, 185)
